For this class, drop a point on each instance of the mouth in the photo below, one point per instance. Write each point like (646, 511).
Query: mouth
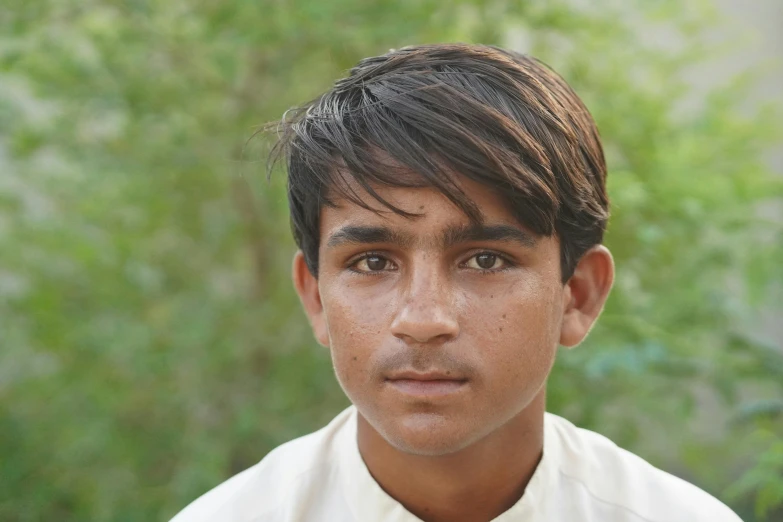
(427, 384)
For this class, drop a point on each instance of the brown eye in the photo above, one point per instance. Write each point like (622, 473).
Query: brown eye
(485, 261)
(376, 263)
(373, 263)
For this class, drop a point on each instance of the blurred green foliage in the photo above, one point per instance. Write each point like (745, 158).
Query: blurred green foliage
(150, 344)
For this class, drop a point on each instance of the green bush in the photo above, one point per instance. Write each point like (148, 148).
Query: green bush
(150, 344)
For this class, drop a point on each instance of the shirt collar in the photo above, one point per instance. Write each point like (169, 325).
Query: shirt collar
(369, 502)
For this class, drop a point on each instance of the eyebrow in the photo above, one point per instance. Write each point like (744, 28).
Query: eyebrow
(503, 233)
(363, 234)
(453, 235)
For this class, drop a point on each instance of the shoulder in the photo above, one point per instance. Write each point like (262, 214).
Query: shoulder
(263, 491)
(618, 480)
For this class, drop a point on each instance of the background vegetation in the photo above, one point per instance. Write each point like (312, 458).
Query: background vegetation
(150, 344)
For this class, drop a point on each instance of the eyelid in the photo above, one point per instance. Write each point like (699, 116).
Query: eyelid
(478, 251)
(364, 255)
(351, 263)
(507, 260)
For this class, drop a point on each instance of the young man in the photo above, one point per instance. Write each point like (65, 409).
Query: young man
(449, 204)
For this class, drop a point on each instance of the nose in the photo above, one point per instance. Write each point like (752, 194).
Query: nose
(427, 313)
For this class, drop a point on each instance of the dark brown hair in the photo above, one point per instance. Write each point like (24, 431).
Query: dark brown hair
(500, 118)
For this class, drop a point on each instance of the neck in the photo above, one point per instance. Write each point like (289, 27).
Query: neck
(477, 483)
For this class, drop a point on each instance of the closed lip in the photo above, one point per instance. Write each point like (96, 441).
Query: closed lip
(431, 375)
(429, 386)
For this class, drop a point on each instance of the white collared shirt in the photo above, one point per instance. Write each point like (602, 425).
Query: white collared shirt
(582, 477)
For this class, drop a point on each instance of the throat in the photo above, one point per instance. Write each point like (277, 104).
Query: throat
(477, 483)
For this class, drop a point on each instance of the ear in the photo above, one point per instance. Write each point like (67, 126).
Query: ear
(585, 294)
(306, 285)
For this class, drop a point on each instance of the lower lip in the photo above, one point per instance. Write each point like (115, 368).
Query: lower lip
(427, 388)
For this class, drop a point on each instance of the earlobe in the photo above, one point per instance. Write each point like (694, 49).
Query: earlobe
(306, 285)
(585, 294)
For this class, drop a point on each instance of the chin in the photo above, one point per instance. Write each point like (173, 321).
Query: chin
(429, 434)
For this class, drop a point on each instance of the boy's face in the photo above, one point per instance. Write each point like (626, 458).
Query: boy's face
(440, 332)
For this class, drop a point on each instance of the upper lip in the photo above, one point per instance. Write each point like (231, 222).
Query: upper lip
(431, 375)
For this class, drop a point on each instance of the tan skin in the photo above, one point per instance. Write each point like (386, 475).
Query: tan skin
(443, 335)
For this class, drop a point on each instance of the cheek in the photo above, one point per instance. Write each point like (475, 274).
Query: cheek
(356, 327)
(517, 326)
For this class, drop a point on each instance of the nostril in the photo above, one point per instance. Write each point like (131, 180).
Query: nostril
(423, 326)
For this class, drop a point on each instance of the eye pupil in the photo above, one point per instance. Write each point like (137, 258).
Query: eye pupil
(376, 263)
(486, 261)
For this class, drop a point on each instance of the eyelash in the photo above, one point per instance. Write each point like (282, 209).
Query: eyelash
(508, 264)
(483, 271)
(362, 257)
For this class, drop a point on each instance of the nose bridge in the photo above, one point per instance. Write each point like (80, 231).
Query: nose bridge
(426, 310)
(425, 280)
